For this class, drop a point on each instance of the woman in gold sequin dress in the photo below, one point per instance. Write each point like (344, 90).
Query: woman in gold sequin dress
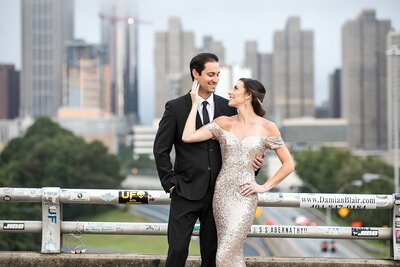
(242, 137)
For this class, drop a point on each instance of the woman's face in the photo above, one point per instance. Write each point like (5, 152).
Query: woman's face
(238, 95)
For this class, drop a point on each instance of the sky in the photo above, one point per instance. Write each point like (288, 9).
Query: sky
(233, 22)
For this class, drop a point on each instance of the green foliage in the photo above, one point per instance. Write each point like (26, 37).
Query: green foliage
(320, 168)
(48, 156)
(331, 170)
(142, 165)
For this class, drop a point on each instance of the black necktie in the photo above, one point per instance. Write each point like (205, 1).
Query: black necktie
(206, 118)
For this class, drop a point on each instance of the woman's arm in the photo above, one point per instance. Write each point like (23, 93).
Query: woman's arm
(190, 134)
(286, 168)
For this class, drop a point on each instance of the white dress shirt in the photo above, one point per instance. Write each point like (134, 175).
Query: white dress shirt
(210, 107)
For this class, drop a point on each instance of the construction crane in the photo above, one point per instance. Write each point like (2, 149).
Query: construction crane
(121, 57)
(114, 18)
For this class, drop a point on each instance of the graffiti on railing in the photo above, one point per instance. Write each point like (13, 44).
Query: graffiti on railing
(52, 227)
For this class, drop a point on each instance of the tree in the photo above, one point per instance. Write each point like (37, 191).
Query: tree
(48, 155)
(320, 167)
(143, 164)
(327, 169)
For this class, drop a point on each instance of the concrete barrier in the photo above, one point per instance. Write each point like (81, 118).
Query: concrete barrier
(30, 259)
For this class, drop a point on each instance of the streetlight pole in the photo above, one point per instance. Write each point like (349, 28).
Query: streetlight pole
(369, 177)
(393, 56)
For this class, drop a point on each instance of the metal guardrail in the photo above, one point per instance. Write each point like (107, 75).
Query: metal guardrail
(52, 227)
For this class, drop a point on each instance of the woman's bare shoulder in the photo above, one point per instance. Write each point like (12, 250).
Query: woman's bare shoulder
(224, 121)
(270, 128)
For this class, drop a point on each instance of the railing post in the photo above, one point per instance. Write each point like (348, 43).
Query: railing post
(396, 227)
(51, 219)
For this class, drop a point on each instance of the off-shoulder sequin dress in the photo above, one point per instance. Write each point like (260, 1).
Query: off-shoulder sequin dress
(233, 212)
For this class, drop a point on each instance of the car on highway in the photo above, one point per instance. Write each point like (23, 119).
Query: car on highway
(328, 246)
(302, 220)
(333, 246)
(324, 246)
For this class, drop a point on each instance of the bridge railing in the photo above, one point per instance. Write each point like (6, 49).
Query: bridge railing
(52, 227)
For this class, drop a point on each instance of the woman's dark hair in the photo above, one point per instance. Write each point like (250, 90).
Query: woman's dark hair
(199, 61)
(257, 91)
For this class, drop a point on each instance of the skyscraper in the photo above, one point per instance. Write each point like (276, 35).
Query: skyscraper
(84, 77)
(266, 78)
(364, 98)
(251, 59)
(334, 94)
(119, 36)
(215, 47)
(173, 51)
(46, 26)
(261, 67)
(293, 72)
(9, 92)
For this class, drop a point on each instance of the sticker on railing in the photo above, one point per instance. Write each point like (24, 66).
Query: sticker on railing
(99, 227)
(13, 226)
(364, 232)
(397, 228)
(153, 228)
(8, 190)
(133, 197)
(270, 229)
(329, 230)
(270, 197)
(108, 196)
(383, 200)
(33, 193)
(79, 196)
(50, 195)
(52, 214)
(337, 201)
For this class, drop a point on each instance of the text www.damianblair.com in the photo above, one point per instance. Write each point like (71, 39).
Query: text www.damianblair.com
(337, 202)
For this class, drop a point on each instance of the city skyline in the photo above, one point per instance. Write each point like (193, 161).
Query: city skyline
(271, 16)
(363, 76)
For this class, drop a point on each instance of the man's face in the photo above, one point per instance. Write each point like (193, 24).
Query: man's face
(209, 77)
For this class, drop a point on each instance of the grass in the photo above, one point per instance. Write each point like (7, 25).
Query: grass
(138, 244)
(382, 245)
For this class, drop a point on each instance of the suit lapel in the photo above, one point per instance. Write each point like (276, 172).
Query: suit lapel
(218, 107)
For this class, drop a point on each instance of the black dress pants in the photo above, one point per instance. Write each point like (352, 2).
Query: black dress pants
(182, 218)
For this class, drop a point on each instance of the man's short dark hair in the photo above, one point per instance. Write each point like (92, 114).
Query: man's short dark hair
(199, 61)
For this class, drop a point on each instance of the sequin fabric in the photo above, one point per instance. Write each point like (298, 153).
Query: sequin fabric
(233, 212)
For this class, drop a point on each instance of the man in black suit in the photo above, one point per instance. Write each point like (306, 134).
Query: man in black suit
(192, 179)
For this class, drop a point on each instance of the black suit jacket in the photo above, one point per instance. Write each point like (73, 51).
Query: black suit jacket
(196, 165)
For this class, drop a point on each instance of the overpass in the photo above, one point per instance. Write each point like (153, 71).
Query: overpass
(52, 227)
(21, 259)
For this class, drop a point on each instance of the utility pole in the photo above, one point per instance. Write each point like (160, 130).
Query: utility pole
(393, 54)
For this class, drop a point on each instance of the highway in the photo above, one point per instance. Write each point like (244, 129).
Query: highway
(281, 247)
(253, 246)
(284, 247)
(296, 247)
